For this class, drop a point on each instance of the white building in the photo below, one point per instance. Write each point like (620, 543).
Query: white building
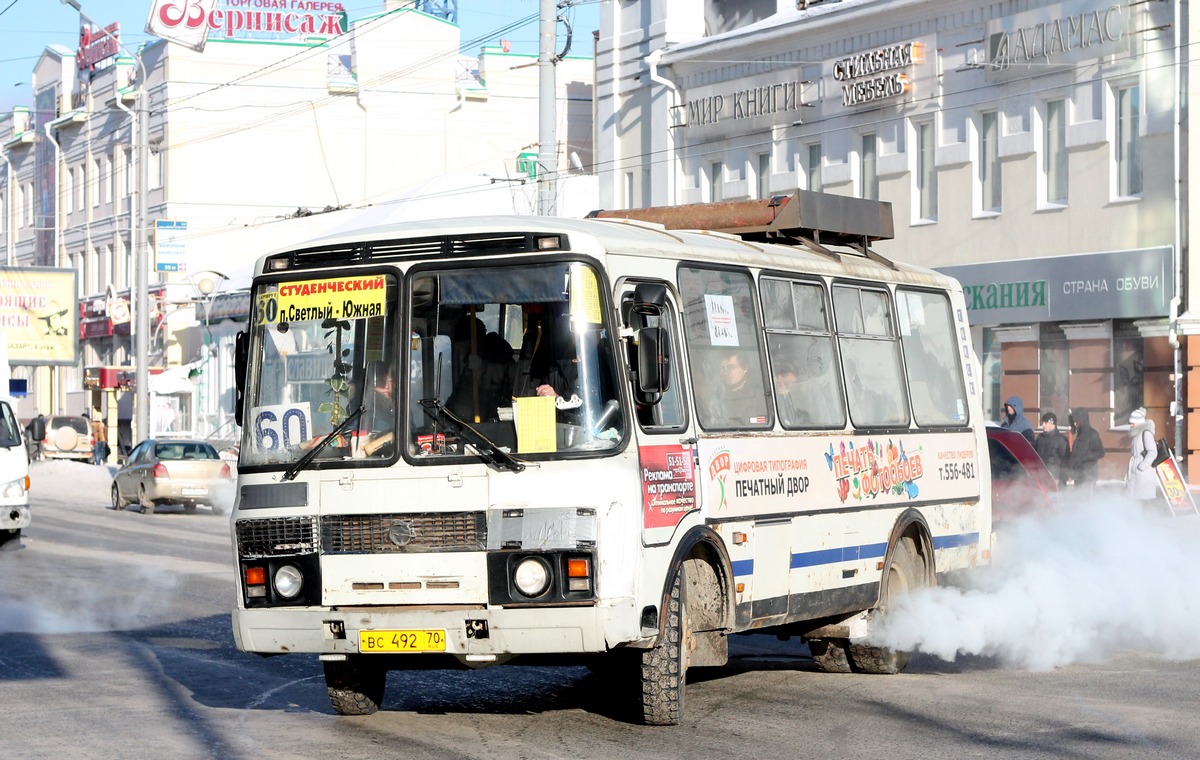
(256, 142)
(1037, 150)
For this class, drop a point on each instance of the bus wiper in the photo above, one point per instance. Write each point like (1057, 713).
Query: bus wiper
(488, 451)
(303, 461)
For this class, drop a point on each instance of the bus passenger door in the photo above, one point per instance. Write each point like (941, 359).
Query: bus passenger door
(666, 444)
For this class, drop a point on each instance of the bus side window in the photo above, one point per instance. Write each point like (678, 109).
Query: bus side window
(728, 367)
(930, 358)
(875, 387)
(665, 414)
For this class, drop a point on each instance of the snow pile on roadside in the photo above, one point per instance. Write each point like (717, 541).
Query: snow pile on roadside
(76, 476)
(1081, 584)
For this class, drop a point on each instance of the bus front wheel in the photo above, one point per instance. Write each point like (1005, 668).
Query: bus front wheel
(906, 573)
(664, 668)
(355, 688)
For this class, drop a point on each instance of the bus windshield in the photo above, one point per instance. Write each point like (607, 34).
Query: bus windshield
(323, 362)
(521, 354)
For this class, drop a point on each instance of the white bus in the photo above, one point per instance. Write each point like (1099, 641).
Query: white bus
(614, 440)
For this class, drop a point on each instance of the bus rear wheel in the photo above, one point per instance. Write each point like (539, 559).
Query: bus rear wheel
(830, 655)
(664, 668)
(355, 688)
(906, 573)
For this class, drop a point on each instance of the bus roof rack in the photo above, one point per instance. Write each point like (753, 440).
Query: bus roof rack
(823, 218)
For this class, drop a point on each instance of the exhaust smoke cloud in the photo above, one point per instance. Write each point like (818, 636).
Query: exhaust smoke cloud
(1077, 585)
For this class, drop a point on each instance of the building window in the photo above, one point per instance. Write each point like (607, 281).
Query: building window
(109, 179)
(813, 168)
(716, 181)
(989, 161)
(69, 190)
(128, 172)
(82, 186)
(927, 189)
(868, 169)
(1054, 376)
(21, 206)
(1129, 144)
(30, 219)
(1129, 371)
(762, 175)
(156, 169)
(1054, 155)
(98, 179)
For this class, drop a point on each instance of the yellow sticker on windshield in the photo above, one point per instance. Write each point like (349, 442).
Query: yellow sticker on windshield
(337, 298)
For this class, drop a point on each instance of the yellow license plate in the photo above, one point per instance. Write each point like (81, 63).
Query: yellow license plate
(428, 640)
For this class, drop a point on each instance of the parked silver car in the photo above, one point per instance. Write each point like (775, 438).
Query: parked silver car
(172, 471)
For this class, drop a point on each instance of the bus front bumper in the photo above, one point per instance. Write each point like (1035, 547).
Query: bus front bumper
(467, 631)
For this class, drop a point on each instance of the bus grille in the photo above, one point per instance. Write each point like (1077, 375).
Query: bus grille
(407, 533)
(276, 536)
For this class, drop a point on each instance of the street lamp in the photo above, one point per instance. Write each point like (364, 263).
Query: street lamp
(141, 279)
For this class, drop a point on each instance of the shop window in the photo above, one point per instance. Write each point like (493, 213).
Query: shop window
(1129, 141)
(1054, 152)
(1129, 372)
(868, 168)
(989, 162)
(1054, 375)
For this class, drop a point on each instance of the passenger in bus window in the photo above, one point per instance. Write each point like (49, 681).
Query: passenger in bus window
(786, 377)
(739, 402)
(819, 401)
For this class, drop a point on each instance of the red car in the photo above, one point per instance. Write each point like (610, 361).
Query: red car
(1020, 481)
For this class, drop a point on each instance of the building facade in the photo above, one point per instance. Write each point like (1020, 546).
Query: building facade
(1035, 150)
(258, 140)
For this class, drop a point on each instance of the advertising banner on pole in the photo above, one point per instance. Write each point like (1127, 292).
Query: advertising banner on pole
(170, 245)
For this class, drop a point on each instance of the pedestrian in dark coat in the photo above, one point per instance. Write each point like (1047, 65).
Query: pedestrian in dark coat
(1014, 418)
(1053, 448)
(1086, 452)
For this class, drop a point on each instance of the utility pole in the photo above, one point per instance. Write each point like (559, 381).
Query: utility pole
(547, 139)
(141, 246)
(141, 334)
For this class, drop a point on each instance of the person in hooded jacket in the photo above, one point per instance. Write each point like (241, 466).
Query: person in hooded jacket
(1141, 483)
(1083, 462)
(1052, 447)
(1014, 418)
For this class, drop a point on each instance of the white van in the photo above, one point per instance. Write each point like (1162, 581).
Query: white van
(14, 479)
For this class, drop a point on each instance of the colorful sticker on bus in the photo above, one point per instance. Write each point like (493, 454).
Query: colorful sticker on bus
(876, 468)
(334, 298)
(668, 484)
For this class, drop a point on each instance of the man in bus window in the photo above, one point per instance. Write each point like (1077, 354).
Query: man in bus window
(786, 378)
(739, 402)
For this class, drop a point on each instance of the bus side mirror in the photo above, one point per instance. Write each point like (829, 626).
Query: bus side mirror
(653, 362)
(649, 298)
(241, 357)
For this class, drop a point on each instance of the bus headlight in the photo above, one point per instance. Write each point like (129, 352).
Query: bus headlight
(532, 577)
(288, 581)
(15, 489)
